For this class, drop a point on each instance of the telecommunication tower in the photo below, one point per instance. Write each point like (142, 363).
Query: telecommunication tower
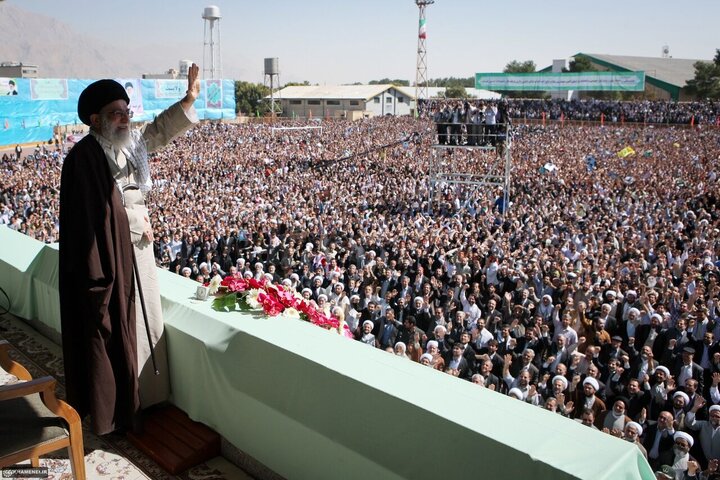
(211, 43)
(421, 82)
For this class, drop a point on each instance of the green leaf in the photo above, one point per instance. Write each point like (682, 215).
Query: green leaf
(217, 303)
(225, 303)
(244, 307)
(230, 301)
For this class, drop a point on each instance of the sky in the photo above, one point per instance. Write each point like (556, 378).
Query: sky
(345, 41)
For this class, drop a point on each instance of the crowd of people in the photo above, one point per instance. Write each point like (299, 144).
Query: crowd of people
(591, 110)
(594, 294)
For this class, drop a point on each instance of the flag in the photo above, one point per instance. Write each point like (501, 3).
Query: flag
(626, 152)
(423, 32)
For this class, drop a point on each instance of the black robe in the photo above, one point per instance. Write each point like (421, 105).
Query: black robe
(97, 292)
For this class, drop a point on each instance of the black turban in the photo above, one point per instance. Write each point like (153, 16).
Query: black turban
(97, 95)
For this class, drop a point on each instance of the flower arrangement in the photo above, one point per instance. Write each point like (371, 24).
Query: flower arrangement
(248, 294)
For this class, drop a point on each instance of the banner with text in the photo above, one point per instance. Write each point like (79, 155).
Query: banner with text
(598, 81)
(32, 109)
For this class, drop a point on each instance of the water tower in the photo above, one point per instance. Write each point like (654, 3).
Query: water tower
(272, 79)
(211, 43)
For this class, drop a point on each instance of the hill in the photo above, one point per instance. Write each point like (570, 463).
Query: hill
(59, 51)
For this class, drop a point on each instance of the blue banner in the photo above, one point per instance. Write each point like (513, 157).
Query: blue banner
(30, 108)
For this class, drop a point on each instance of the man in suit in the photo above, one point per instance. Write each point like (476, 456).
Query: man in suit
(610, 322)
(401, 309)
(673, 337)
(530, 341)
(486, 370)
(525, 363)
(387, 330)
(659, 439)
(705, 349)
(495, 357)
(457, 365)
(612, 350)
(685, 368)
(557, 352)
(638, 400)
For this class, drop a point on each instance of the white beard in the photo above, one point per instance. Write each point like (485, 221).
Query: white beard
(119, 138)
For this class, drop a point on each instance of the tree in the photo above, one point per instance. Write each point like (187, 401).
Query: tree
(468, 82)
(528, 66)
(580, 64)
(706, 83)
(297, 84)
(455, 92)
(386, 81)
(249, 98)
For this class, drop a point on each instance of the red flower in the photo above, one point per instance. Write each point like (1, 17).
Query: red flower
(234, 284)
(271, 306)
(258, 284)
(287, 298)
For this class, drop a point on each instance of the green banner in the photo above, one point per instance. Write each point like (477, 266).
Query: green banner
(598, 81)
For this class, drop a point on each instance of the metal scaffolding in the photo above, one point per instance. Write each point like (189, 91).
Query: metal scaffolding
(494, 162)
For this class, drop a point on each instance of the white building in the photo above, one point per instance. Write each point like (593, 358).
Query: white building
(345, 101)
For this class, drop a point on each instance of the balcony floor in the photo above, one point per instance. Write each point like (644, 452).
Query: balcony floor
(110, 456)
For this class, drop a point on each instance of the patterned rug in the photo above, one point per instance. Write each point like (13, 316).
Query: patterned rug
(110, 456)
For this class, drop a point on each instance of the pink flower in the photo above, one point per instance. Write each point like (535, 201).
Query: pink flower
(287, 298)
(234, 284)
(259, 284)
(347, 333)
(271, 306)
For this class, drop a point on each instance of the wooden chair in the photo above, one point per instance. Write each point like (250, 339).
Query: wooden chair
(34, 422)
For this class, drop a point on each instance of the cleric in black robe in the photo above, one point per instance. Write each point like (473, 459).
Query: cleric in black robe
(96, 283)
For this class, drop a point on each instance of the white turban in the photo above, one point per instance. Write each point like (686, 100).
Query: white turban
(684, 435)
(432, 343)
(561, 378)
(637, 427)
(516, 392)
(591, 381)
(683, 395)
(426, 355)
(369, 322)
(662, 368)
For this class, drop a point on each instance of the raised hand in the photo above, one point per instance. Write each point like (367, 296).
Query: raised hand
(698, 403)
(193, 88)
